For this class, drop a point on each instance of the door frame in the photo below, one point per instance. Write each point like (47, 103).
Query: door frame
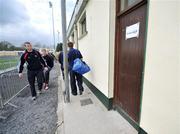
(119, 14)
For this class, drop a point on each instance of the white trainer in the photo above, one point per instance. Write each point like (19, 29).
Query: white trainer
(33, 98)
(46, 88)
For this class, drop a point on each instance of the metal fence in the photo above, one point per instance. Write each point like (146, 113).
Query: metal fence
(11, 85)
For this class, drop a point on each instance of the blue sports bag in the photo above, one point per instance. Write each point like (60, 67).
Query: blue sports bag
(80, 66)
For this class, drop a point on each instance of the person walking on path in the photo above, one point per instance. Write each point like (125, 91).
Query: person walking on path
(72, 55)
(50, 63)
(52, 55)
(60, 59)
(35, 66)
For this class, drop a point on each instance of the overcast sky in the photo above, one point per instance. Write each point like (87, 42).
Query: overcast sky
(31, 20)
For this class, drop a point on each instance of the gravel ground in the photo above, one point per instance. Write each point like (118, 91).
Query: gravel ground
(32, 117)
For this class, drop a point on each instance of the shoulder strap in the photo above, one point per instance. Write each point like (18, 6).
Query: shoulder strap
(38, 54)
(25, 56)
(77, 53)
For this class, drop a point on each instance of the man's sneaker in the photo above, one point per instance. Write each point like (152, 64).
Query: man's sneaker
(33, 98)
(39, 92)
(80, 92)
(74, 94)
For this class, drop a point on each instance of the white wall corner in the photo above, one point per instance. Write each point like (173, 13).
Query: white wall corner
(112, 14)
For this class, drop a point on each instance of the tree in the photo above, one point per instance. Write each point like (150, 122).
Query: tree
(7, 46)
(11, 48)
(59, 47)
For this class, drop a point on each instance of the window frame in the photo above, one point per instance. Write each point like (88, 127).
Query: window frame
(83, 26)
(126, 9)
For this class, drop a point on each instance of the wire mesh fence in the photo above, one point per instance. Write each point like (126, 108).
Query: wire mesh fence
(10, 83)
(8, 62)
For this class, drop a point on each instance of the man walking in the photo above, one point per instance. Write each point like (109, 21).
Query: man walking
(35, 66)
(72, 55)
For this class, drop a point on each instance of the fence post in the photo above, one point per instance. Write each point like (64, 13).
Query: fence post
(1, 100)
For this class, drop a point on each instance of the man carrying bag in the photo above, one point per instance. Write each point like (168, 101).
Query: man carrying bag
(74, 76)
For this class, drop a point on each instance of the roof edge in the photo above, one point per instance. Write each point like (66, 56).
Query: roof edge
(78, 9)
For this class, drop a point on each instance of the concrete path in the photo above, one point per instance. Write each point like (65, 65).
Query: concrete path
(91, 118)
(49, 114)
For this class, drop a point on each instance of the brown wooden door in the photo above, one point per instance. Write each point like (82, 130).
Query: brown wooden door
(129, 60)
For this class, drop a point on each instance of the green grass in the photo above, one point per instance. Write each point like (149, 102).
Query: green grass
(2, 61)
(8, 62)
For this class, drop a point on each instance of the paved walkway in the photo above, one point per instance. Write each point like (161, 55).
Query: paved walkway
(86, 115)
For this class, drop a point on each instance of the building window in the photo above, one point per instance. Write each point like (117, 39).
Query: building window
(125, 4)
(83, 26)
(72, 37)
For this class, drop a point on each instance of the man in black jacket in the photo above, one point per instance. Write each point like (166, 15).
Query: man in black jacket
(35, 66)
(50, 63)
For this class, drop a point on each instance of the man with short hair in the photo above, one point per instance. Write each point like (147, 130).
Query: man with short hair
(35, 66)
(74, 76)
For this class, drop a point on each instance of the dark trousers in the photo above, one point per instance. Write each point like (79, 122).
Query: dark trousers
(31, 79)
(62, 71)
(46, 75)
(73, 78)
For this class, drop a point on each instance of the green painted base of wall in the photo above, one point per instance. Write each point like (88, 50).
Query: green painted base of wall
(108, 103)
(128, 118)
(105, 100)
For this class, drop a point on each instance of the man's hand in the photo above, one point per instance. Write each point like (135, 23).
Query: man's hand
(20, 75)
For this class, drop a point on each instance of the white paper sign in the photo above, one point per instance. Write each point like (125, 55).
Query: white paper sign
(132, 31)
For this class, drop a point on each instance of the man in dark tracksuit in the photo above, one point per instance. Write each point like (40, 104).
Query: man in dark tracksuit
(35, 65)
(72, 55)
(50, 63)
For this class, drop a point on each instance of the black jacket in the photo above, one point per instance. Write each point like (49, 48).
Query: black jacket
(61, 60)
(49, 60)
(33, 59)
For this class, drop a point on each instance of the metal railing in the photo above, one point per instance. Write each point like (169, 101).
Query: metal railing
(11, 85)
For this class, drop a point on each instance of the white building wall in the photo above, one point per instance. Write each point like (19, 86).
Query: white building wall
(95, 45)
(161, 93)
(112, 15)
